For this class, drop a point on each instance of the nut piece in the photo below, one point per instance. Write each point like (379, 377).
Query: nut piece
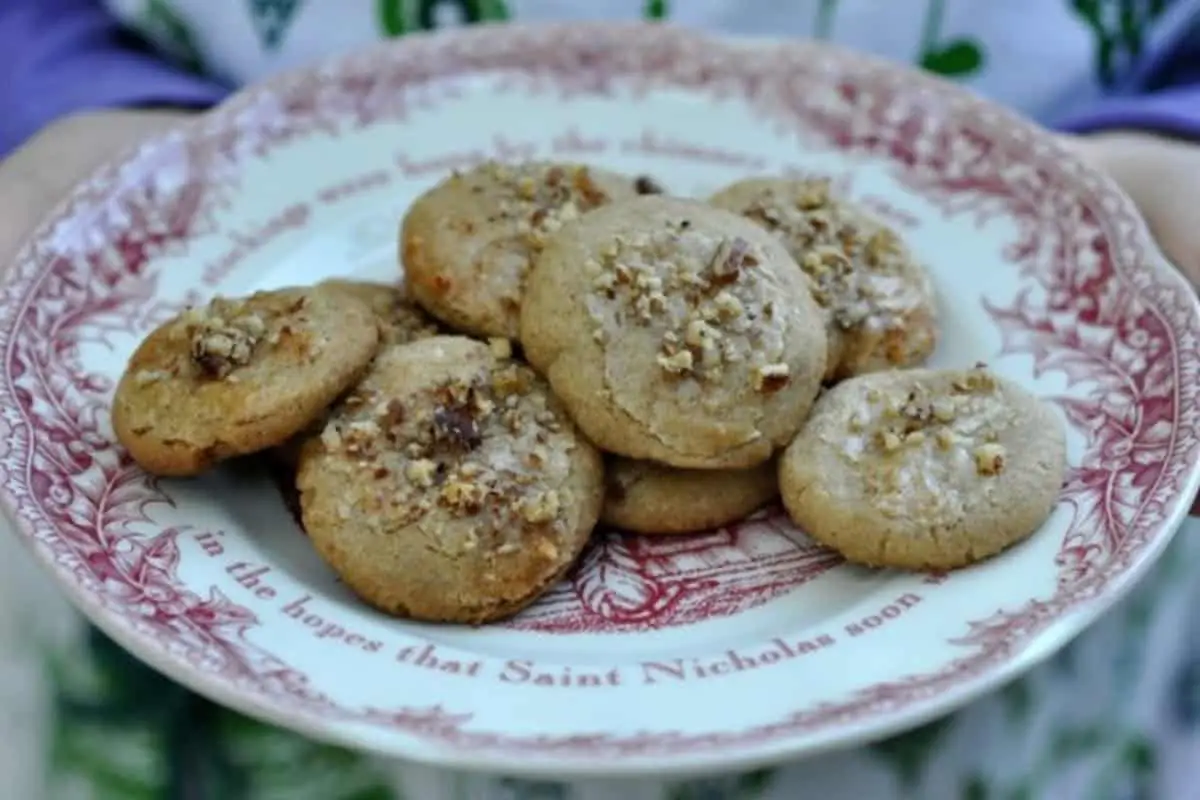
(541, 509)
(680, 363)
(945, 438)
(149, 376)
(732, 256)
(978, 379)
(501, 348)
(222, 341)
(989, 459)
(455, 427)
(420, 473)
(943, 410)
(462, 497)
(771, 378)
(888, 441)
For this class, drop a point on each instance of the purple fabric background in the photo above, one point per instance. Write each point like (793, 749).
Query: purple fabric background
(67, 56)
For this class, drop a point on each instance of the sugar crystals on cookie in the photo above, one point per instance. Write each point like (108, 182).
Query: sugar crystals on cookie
(924, 469)
(675, 332)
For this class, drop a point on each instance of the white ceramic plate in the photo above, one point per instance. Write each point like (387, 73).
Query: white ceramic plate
(731, 648)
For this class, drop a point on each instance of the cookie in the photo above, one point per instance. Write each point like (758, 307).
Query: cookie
(675, 332)
(467, 243)
(644, 497)
(880, 302)
(924, 469)
(239, 376)
(400, 321)
(449, 486)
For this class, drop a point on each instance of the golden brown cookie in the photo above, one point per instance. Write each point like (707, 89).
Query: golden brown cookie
(467, 243)
(239, 376)
(400, 321)
(880, 301)
(924, 469)
(450, 485)
(675, 332)
(644, 497)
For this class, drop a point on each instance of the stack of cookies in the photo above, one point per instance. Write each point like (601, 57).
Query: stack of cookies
(574, 347)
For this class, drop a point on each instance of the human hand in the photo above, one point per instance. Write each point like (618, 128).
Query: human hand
(1162, 176)
(40, 172)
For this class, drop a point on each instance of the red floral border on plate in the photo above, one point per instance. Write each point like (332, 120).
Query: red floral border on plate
(1095, 307)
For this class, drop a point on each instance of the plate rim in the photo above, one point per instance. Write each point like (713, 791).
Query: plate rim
(1033, 650)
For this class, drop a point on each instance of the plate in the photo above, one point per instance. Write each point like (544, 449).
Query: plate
(731, 648)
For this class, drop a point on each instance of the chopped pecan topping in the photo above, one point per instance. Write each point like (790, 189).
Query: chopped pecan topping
(679, 363)
(888, 441)
(945, 438)
(464, 497)
(393, 414)
(978, 379)
(591, 194)
(500, 348)
(731, 258)
(771, 378)
(455, 428)
(989, 459)
(149, 376)
(699, 291)
(224, 337)
(541, 509)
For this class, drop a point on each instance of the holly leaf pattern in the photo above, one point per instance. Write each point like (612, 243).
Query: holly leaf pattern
(398, 17)
(956, 58)
(1017, 699)
(953, 58)
(747, 786)
(171, 33)
(272, 19)
(656, 9)
(127, 732)
(113, 763)
(272, 762)
(909, 752)
(1119, 29)
(108, 734)
(392, 17)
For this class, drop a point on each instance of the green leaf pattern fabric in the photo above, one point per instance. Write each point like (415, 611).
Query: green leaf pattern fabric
(964, 40)
(170, 33)
(272, 18)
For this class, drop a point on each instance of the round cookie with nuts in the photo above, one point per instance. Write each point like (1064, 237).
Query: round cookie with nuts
(239, 376)
(880, 302)
(467, 243)
(675, 332)
(924, 469)
(449, 486)
(649, 498)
